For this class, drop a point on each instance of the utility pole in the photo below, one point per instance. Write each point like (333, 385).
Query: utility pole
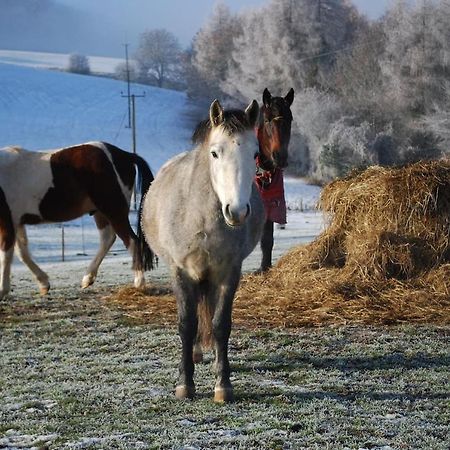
(132, 100)
(128, 84)
(131, 112)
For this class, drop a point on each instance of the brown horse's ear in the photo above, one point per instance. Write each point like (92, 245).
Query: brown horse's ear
(216, 113)
(289, 97)
(252, 113)
(267, 98)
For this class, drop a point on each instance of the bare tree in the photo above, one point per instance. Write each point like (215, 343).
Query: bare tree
(158, 57)
(79, 64)
(121, 71)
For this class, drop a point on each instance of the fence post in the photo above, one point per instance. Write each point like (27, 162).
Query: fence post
(62, 242)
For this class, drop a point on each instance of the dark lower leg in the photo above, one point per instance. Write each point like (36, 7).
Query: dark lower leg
(187, 298)
(221, 332)
(267, 246)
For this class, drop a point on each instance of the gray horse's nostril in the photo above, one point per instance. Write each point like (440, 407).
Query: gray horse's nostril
(236, 217)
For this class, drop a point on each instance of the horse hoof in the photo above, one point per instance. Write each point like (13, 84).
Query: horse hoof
(197, 357)
(87, 281)
(262, 270)
(139, 281)
(223, 395)
(43, 290)
(183, 391)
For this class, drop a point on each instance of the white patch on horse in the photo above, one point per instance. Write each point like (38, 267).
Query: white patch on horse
(126, 192)
(27, 185)
(232, 170)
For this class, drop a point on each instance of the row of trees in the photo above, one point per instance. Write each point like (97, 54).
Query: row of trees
(366, 92)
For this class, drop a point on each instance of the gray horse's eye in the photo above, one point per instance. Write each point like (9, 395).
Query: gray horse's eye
(214, 155)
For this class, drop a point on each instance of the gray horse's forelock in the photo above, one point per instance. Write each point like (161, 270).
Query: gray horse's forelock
(235, 121)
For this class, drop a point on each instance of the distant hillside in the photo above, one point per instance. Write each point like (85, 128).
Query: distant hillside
(42, 109)
(60, 61)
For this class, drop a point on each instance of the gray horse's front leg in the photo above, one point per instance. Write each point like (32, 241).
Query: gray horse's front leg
(186, 292)
(221, 326)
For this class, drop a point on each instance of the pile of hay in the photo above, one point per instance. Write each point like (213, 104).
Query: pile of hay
(385, 257)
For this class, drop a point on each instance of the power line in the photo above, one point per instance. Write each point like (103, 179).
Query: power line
(338, 50)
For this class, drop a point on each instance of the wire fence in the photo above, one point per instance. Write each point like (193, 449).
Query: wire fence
(78, 240)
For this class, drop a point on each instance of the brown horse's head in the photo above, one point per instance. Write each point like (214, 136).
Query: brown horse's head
(274, 131)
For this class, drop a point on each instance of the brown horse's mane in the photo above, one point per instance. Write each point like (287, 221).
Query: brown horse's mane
(234, 121)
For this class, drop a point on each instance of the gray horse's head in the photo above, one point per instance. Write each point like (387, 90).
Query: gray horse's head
(232, 146)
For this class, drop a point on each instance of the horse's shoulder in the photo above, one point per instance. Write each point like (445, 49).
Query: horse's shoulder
(172, 164)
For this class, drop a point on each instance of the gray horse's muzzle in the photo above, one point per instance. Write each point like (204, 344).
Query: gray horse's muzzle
(235, 217)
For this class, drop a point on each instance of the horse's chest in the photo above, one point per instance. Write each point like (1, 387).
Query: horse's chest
(208, 252)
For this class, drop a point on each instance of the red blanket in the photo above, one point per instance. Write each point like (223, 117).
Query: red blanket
(271, 188)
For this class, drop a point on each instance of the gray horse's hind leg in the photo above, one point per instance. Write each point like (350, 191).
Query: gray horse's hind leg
(187, 294)
(25, 257)
(107, 238)
(221, 326)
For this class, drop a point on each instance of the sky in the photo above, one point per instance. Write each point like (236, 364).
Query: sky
(126, 19)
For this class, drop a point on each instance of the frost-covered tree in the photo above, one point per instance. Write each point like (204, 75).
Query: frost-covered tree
(79, 64)
(157, 57)
(289, 43)
(357, 77)
(416, 61)
(211, 54)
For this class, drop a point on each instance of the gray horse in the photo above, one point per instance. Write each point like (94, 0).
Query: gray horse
(203, 215)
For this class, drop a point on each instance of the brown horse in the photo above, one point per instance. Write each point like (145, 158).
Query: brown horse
(61, 185)
(274, 133)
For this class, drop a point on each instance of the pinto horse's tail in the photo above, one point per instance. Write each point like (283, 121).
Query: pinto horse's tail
(143, 253)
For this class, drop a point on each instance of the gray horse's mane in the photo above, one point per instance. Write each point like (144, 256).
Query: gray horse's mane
(234, 121)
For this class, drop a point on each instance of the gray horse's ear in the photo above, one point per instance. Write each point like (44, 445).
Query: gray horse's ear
(267, 98)
(216, 113)
(252, 113)
(289, 97)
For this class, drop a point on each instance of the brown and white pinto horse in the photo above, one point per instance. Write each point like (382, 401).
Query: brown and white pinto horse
(274, 133)
(61, 185)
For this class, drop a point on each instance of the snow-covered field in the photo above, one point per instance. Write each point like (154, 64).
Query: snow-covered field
(42, 109)
(57, 61)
